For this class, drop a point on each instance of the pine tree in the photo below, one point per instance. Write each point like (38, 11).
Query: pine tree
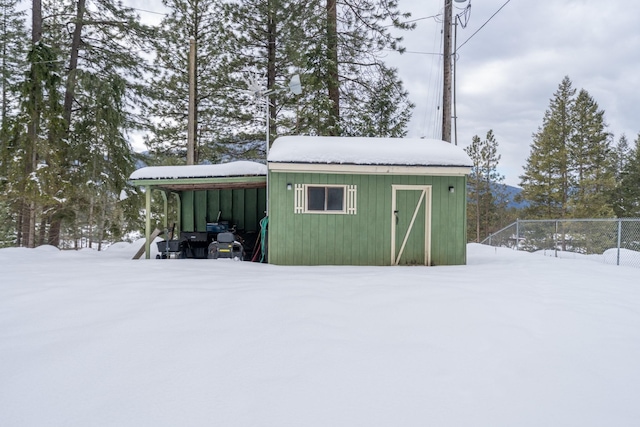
(621, 158)
(357, 35)
(104, 45)
(220, 105)
(274, 40)
(629, 187)
(382, 111)
(337, 47)
(35, 169)
(486, 195)
(621, 155)
(13, 38)
(592, 178)
(571, 171)
(13, 51)
(545, 183)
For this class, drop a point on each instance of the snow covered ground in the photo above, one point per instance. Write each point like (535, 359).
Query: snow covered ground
(624, 257)
(512, 339)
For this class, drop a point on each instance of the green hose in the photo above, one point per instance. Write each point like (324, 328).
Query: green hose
(264, 222)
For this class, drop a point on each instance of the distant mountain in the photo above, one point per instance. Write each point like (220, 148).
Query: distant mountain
(512, 192)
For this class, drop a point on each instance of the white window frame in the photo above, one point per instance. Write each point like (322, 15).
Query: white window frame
(349, 199)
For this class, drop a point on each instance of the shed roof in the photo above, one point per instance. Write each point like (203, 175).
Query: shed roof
(240, 174)
(367, 151)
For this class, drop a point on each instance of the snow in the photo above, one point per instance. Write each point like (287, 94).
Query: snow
(239, 168)
(610, 256)
(367, 151)
(511, 339)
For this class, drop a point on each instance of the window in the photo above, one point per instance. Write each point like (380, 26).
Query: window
(325, 198)
(335, 199)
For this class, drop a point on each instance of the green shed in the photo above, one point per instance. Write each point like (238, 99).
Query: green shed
(233, 193)
(366, 201)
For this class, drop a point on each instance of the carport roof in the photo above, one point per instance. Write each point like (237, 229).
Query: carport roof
(240, 174)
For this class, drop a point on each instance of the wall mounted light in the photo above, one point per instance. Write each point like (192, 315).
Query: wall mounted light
(289, 186)
(452, 189)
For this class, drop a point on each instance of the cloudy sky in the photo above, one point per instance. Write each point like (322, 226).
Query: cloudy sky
(510, 69)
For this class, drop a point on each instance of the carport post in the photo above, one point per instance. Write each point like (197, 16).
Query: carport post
(147, 230)
(166, 212)
(179, 214)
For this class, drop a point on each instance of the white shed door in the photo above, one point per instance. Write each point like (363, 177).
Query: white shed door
(411, 225)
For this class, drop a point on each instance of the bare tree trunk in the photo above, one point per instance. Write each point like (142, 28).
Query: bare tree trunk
(31, 243)
(5, 100)
(73, 64)
(28, 206)
(36, 21)
(19, 227)
(42, 232)
(333, 77)
(271, 71)
(54, 231)
(477, 217)
(69, 95)
(90, 221)
(102, 222)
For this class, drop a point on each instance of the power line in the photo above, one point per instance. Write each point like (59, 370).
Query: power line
(421, 19)
(415, 52)
(414, 20)
(148, 11)
(481, 27)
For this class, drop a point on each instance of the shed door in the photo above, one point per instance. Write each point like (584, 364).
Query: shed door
(411, 225)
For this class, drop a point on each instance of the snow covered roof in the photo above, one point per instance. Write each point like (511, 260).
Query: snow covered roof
(367, 151)
(239, 168)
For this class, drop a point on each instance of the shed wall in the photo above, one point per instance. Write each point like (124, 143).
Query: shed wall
(363, 238)
(242, 207)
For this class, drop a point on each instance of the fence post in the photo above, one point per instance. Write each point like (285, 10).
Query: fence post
(619, 239)
(555, 241)
(517, 233)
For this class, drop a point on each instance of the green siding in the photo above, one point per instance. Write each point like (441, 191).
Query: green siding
(242, 207)
(200, 206)
(364, 238)
(188, 218)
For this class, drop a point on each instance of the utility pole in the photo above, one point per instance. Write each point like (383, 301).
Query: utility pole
(446, 90)
(191, 125)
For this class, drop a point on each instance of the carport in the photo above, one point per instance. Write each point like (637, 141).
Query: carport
(232, 192)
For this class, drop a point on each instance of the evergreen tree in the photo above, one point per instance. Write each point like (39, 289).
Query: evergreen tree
(357, 35)
(337, 48)
(545, 182)
(592, 178)
(571, 171)
(629, 187)
(35, 169)
(274, 40)
(621, 157)
(486, 195)
(383, 110)
(221, 108)
(13, 51)
(100, 41)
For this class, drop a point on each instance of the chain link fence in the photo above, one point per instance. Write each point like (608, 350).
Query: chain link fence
(610, 241)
